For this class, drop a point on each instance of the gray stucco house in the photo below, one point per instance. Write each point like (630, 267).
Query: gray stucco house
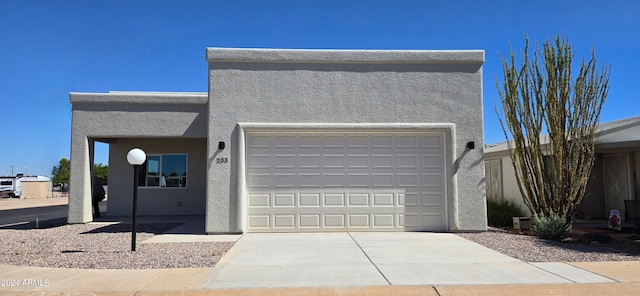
(298, 141)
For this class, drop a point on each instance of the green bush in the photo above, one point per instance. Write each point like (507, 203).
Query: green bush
(549, 227)
(500, 212)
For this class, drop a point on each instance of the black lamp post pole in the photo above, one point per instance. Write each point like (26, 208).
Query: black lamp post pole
(135, 207)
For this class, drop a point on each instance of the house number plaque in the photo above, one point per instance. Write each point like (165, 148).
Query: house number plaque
(222, 160)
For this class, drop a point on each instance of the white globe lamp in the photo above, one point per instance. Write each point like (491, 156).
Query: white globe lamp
(136, 156)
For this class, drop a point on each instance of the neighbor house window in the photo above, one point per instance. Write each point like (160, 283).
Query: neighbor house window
(164, 170)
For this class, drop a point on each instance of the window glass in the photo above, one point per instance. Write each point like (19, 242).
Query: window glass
(174, 170)
(166, 170)
(153, 170)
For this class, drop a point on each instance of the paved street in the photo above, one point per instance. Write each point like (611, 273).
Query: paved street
(32, 213)
(35, 213)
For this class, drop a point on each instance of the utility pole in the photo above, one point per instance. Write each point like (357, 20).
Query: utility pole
(12, 166)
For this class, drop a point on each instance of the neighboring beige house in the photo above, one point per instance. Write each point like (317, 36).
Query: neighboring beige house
(36, 187)
(21, 186)
(614, 177)
(298, 141)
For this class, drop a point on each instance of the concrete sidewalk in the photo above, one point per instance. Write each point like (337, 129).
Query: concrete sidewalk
(193, 281)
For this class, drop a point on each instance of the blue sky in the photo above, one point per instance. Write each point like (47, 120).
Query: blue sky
(51, 48)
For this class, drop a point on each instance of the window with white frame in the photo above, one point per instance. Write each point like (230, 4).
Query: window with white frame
(164, 170)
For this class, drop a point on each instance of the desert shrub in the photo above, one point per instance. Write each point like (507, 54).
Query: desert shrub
(500, 212)
(550, 226)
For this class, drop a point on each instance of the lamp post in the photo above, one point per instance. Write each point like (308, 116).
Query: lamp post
(136, 158)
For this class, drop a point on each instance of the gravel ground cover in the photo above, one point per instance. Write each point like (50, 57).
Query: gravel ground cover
(108, 246)
(529, 248)
(104, 246)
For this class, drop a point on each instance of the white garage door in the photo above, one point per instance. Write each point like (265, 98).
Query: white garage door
(307, 182)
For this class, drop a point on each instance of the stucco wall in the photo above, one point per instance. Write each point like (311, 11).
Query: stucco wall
(324, 86)
(36, 189)
(136, 114)
(109, 116)
(634, 168)
(594, 202)
(157, 201)
(510, 188)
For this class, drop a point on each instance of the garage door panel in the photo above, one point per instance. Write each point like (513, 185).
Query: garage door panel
(432, 219)
(357, 161)
(258, 200)
(309, 200)
(333, 141)
(431, 162)
(309, 161)
(334, 200)
(333, 161)
(258, 141)
(279, 141)
(433, 199)
(384, 220)
(285, 161)
(383, 200)
(407, 162)
(284, 180)
(309, 141)
(382, 141)
(284, 200)
(258, 161)
(408, 180)
(357, 142)
(357, 180)
(333, 180)
(346, 181)
(432, 180)
(408, 199)
(383, 180)
(308, 180)
(257, 222)
(309, 221)
(259, 181)
(408, 220)
(284, 221)
(334, 221)
(407, 141)
(359, 221)
(358, 199)
(432, 141)
(382, 161)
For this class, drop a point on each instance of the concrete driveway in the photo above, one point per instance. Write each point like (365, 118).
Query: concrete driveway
(378, 259)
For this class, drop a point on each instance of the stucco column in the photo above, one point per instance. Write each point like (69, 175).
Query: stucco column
(80, 181)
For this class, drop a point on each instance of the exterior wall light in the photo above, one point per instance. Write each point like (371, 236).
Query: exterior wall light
(471, 145)
(221, 145)
(136, 157)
